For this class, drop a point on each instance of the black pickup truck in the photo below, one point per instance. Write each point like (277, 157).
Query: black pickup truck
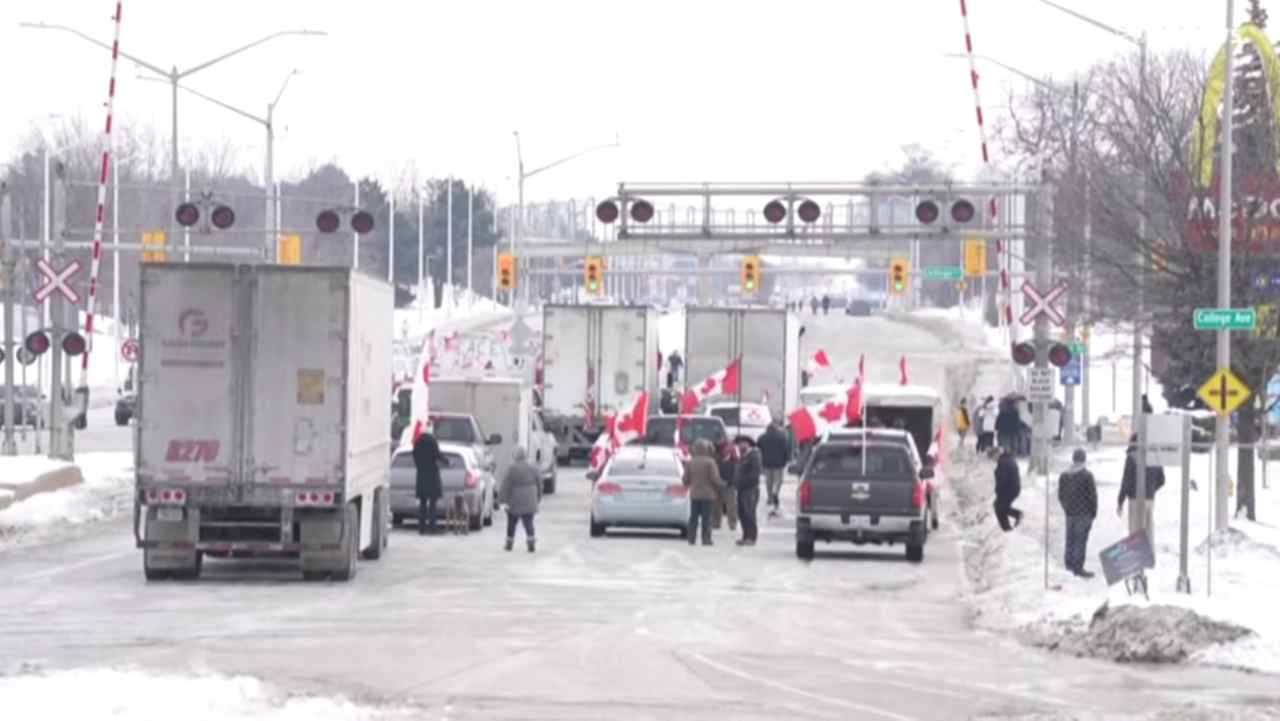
(880, 500)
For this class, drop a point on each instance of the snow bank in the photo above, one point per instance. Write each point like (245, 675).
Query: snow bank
(96, 694)
(105, 494)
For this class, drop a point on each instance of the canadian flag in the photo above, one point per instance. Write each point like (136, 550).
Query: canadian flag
(721, 383)
(620, 430)
(811, 422)
(418, 400)
(820, 360)
(904, 380)
(853, 404)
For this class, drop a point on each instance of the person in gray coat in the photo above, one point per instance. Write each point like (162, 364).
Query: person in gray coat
(520, 491)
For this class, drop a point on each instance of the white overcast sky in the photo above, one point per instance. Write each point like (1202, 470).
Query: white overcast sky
(697, 89)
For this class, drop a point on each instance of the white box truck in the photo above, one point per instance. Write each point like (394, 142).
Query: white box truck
(595, 359)
(766, 339)
(502, 406)
(262, 416)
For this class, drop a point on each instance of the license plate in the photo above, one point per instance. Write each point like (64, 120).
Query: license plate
(169, 514)
(857, 520)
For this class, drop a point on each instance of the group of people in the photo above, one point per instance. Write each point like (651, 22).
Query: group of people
(725, 485)
(519, 491)
(814, 303)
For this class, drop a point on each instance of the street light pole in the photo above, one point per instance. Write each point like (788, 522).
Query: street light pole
(1222, 515)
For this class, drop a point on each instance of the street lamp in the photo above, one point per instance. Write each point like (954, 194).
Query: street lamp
(173, 75)
(272, 217)
(521, 175)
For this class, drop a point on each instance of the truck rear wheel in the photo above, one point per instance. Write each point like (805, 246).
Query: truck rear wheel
(804, 550)
(915, 554)
(192, 572)
(378, 533)
(351, 537)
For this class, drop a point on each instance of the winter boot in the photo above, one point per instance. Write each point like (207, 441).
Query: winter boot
(531, 545)
(508, 544)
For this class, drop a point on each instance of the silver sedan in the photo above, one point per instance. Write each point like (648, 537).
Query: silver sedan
(464, 476)
(640, 487)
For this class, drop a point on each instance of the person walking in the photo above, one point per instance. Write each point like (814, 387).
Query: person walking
(521, 492)
(702, 478)
(1008, 425)
(1078, 494)
(675, 364)
(775, 451)
(813, 304)
(826, 304)
(962, 420)
(427, 461)
(746, 482)
(984, 425)
(1139, 519)
(727, 463)
(1008, 488)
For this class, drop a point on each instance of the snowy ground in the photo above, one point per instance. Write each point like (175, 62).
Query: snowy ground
(105, 494)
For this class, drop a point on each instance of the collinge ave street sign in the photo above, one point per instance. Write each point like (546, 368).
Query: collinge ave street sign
(1225, 319)
(943, 272)
(1224, 392)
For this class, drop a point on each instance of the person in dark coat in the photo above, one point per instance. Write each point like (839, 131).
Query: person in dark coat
(1008, 488)
(775, 451)
(826, 305)
(746, 481)
(1078, 494)
(521, 492)
(427, 461)
(813, 304)
(1140, 515)
(702, 478)
(1008, 426)
(727, 464)
(676, 364)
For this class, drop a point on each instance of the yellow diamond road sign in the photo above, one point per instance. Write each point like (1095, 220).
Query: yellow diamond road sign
(1224, 392)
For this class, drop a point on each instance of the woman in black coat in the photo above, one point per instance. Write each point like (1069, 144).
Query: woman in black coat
(428, 487)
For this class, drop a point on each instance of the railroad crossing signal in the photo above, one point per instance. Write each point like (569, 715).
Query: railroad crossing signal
(290, 250)
(1224, 392)
(898, 269)
(975, 257)
(751, 274)
(506, 271)
(154, 239)
(1042, 304)
(593, 275)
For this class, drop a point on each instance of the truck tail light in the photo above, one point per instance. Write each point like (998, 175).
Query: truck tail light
(471, 480)
(917, 496)
(608, 488)
(315, 498)
(166, 497)
(806, 495)
(678, 490)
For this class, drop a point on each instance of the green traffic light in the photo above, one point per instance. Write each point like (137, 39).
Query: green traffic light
(751, 285)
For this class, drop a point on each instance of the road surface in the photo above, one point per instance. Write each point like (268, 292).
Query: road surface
(631, 626)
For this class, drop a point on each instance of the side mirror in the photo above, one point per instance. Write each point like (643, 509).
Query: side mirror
(926, 473)
(593, 476)
(494, 439)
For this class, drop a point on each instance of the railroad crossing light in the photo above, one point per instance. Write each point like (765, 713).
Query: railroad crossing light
(362, 222)
(1059, 355)
(36, 343)
(809, 211)
(593, 276)
(607, 211)
(774, 211)
(961, 211)
(642, 211)
(898, 275)
(187, 214)
(1024, 354)
(222, 217)
(751, 267)
(506, 271)
(328, 221)
(73, 344)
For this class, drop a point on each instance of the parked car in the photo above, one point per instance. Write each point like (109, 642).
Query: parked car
(880, 501)
(742, 419)
(859, 308)
(126, 406)
(661, 431)
(463, 429)
(903, 438)
(542, 451)
(463, 475)
(640, 487)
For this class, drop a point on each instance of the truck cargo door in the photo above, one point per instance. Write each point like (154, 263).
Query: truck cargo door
(187, 397)
(564, 358)
(623, 355)
(298, 378)
(762, 337)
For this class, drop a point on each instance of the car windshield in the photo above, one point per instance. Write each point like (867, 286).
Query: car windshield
(654, 464)
(453, 429)
(841, 460)
(661, 431)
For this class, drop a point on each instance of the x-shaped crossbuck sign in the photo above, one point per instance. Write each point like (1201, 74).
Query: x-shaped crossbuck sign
(1043, 304)
(56, 281)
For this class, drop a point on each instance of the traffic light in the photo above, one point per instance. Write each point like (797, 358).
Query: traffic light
(1059, 355)
(593, 276)
(898, 275)
(751, 274)
(506, 271)
(1024, 354)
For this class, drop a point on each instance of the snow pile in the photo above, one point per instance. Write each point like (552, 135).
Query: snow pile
(1134, 633)
(96, 694)
(106, 493)
(457, 312)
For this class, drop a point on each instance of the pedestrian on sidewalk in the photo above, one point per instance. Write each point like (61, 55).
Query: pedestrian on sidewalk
(1008, 488)
(702, 478)
(826, 304)
(427, 486)
(727, 507)
(775, 451)
(985, 425)
(746, 482)
(962, 420)
(521, 492)
(813, 304)
(1008, 425)
(1078, 494)
(1129, 490)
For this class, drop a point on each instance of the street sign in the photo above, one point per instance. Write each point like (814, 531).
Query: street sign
(1040, 385)
(1042, 304)
(1224, 392)
(56, 281)
(1073, 373)
(1225, 319)
(129, 349)
(943, 272)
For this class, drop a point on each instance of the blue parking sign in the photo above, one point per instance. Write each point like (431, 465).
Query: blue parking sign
(1071, 372)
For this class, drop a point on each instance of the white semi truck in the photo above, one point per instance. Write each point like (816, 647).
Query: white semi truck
(595, 358)
(262, 417)
(766, 339)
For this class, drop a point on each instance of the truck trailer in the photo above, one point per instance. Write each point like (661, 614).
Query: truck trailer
(262, 417)
(766, 339)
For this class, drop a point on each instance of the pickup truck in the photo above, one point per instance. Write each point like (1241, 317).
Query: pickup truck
(881, 501)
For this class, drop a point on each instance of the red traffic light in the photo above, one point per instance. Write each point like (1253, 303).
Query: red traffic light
(927, 211)
(1059, 355)
(73, 344)
(36, 343)
(642, 211)
(962, 211)
(187, 214)
(327, 221)
(1024, 354)
(775, 211)
(222, 217)
(607, 212)
(809, 211)
(362, 222)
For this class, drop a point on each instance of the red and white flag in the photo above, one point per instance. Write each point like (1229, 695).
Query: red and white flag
(726, 382)
(419, 404)
(853, 404)
(620, 430)
(811, 422)
(904, 380)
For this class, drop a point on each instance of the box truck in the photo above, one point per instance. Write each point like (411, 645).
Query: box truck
(766, 339)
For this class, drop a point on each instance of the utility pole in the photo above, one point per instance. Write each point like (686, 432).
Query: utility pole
(1222, 515)
(1043, 228)
(59, 433)
(9, 256)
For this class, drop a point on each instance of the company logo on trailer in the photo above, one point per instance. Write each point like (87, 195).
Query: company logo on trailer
(192, 323)
(188, 451)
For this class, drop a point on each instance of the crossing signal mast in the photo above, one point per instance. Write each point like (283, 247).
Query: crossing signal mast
(751, 267)
(898, 270)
